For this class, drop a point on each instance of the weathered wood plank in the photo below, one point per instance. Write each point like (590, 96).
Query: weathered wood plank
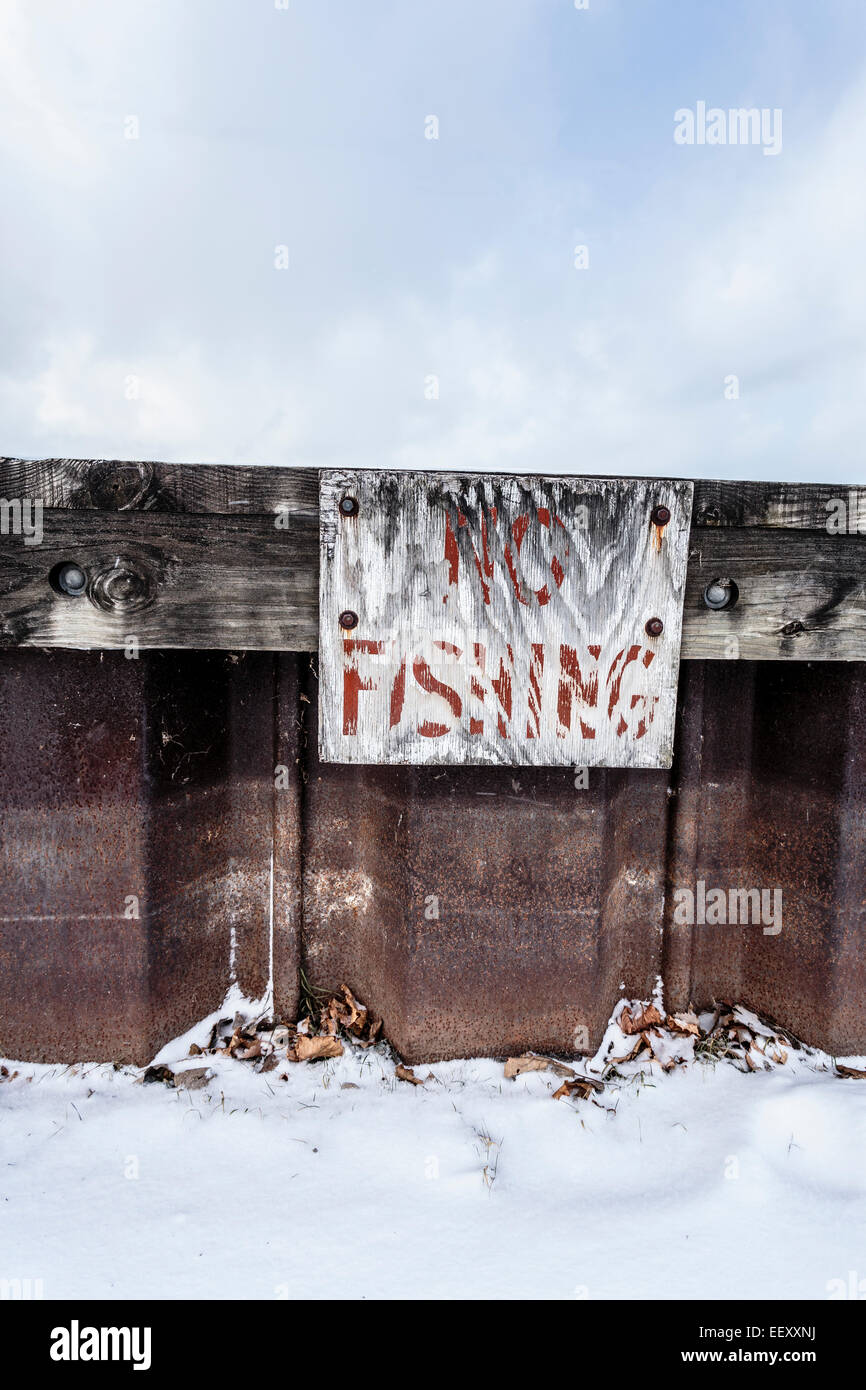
(780, 506)
(169, 580)
(486, 619)
(258, 488)
(801, 597)
(759, 532)
(116, 485)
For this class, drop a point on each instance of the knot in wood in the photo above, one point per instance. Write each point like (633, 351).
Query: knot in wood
(120, 487)
(125, 586)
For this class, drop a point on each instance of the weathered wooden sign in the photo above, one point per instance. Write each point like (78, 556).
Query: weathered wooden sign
(489, 619)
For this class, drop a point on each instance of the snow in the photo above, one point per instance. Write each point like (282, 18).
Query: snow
(703, 1181)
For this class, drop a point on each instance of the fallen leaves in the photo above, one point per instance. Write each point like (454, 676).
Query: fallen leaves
(192, 1078)
(637, 1046)
(687, 1023)
(244, 1047)
(163, 1074)
(407, 1074)
(515, 1066)
(268, 1042)
(853, 1073)
(582, 1086)
(637, 1022)
(738, 1035)
(348, 1014)
(315, 1049)
(644, 1031)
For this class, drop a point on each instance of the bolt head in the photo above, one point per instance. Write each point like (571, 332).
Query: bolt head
(349, 506)
(661, 516)
(721, 593)
(654, 627)
(71, 580)
(348, 619)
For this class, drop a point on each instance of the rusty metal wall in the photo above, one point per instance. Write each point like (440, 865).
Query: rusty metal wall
(770, 790)
(137, 816)
(478, 910)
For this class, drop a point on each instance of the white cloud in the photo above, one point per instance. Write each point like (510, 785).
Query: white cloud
(402, 267)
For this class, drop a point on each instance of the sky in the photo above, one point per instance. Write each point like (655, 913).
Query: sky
(227, 235)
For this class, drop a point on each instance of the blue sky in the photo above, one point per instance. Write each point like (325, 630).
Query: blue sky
(144, 315)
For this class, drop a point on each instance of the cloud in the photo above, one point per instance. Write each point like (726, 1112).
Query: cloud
(147, 319)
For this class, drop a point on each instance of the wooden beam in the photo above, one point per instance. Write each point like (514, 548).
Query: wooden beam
(169, 580)
(111, 484)
(115, 485)
(801, 596)
(778, 506)
(213, 556)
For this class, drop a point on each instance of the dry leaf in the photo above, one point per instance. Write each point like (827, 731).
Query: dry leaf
(636, 1023)
(515, 1065)
(407, 1074)
(684, 1023)
(164, 1074)
(374, 1028)
(192, 1079)
(851, 1072)
(350, 1015)
(312, 1049)
(559, 1068)
(581, 1086)
(243, 1045)
(531, 1061)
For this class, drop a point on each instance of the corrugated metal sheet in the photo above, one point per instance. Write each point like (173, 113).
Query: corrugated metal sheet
(478, 910)
(137, 804)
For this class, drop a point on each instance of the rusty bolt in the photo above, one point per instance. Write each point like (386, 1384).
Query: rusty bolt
(349, 506)
(348, 619)
(661, 516)
(654, 628)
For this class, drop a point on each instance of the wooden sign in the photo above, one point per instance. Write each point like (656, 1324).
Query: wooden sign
(488, 619)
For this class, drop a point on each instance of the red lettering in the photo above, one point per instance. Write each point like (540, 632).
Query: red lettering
(353, 682)
(428, 683)
(573, 685)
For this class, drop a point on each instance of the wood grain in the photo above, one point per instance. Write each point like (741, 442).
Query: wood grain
(235, 593)
(258, 488)
(118, 485)
(801, 597)
(170, 580)
(778, 506)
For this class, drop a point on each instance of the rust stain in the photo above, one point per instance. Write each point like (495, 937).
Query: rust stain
(478, 910)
